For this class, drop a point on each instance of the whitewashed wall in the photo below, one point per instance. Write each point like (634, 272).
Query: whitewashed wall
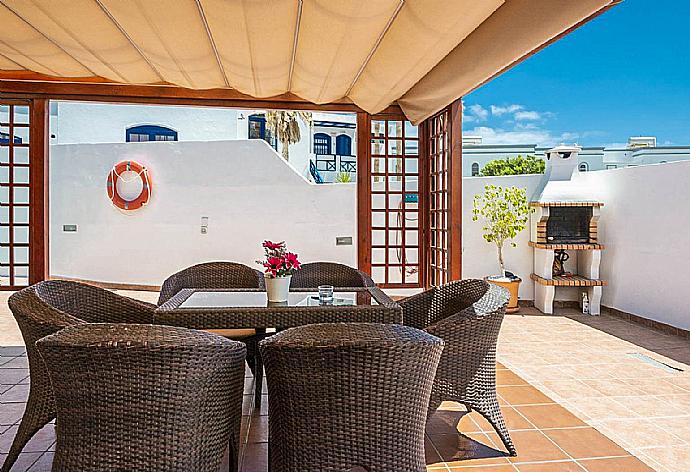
(79, 122)
(645, 224)
(248, 192)
(479, 258)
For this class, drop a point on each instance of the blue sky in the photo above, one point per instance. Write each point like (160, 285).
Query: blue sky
(626, 73)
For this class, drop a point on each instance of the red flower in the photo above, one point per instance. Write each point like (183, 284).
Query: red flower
(291, 261)
(273, 246)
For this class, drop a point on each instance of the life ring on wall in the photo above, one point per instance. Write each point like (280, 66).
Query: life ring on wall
(116, 173)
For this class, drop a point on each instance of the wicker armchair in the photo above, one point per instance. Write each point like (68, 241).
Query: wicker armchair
(46, 308)
(349, 396)
(218, 275)
(467, 315)
(313, 274)
(144, 397)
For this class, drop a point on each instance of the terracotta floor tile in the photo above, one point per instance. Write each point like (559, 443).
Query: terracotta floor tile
(649, 406)
(468, 449)
(567, 466)
(256, 458)
(490, 468)
(258, 431)
(433, 459)
(675, 459)
(570, 388)
(614, 387)
(522, 395)
(679, 426)
(532, 446)
(447, 421)
(601, 408)
(656, 387)
(585, 443)
(550, 416)
(507, 377)
(681, 401)
(636, 433)
(623, 464)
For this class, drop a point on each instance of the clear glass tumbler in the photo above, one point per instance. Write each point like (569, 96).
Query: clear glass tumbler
(326, 294)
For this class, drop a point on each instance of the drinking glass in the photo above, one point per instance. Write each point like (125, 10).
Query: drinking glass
(326, 294)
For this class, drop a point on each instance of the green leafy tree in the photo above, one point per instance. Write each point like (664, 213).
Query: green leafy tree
(286, 127)
(514, 166)
(504, 212)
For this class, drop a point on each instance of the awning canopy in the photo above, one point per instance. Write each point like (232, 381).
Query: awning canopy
(421, 53)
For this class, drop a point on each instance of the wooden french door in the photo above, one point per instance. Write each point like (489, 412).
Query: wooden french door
(393, 202)
(23, 187)
(410, 198)
(443, 136)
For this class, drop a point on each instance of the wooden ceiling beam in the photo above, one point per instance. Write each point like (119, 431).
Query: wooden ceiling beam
(96, 91)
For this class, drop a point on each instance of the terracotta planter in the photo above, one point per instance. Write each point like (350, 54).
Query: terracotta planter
(513, 287)
(277, 288)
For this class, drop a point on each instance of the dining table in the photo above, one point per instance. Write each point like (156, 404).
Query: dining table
(208, 309)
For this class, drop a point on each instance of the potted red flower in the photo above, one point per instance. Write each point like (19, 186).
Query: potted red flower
(279, 266)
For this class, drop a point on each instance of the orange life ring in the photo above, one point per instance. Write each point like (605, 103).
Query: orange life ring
(143, 197)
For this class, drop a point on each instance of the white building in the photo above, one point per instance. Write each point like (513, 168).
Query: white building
(639, 151)
(327, 150)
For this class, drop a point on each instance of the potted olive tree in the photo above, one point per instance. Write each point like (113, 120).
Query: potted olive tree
(504, 212)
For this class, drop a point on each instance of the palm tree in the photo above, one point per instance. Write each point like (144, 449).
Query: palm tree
(286, 127)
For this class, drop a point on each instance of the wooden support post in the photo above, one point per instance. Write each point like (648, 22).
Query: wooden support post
(364, 192)
(39, 140)
(455, 192)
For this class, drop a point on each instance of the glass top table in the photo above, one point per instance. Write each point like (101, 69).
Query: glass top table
(249, 308)
(223, 299)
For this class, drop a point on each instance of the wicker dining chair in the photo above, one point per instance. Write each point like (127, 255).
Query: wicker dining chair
(349, 396)
(467, 315)
(218, 275)
(44, 309)
(211, 275)
(144, 397)
(313, 274)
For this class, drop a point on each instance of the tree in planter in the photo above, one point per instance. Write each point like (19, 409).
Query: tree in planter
(286, 127)
(514, 166)
(505, 212)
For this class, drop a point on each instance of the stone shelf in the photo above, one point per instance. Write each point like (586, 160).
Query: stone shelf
(568, 281)
(572, 247)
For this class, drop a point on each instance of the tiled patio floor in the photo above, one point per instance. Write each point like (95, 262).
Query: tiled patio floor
(641, 407)
(594, 366)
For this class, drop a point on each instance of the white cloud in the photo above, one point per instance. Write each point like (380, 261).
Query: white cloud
(500, 111)
(527, 115)
(474, 113)
(538, 136)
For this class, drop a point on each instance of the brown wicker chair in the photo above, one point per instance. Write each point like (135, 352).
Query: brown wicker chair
(144, 397)
(313, 274)
(349, 396)
(46, 308)
(211, 275)
(218, 275)
(467, 315)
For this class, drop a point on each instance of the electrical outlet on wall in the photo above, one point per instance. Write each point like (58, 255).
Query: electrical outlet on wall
(204, 224)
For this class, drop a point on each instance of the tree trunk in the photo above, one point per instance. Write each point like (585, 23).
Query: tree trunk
(286, 151)
(499, 247)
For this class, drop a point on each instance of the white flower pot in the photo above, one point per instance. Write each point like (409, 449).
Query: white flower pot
(278, 288)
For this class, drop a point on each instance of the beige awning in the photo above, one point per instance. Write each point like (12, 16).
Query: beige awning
(421, 53)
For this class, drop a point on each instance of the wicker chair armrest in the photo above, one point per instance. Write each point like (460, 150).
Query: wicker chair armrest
(493, 302)
(121, 309)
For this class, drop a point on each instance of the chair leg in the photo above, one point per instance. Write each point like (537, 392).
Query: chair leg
(36, 416)
(490, 410)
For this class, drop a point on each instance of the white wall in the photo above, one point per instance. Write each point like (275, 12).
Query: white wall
(248, 192)
(479, 258)
(79, 122)
(644, 225)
